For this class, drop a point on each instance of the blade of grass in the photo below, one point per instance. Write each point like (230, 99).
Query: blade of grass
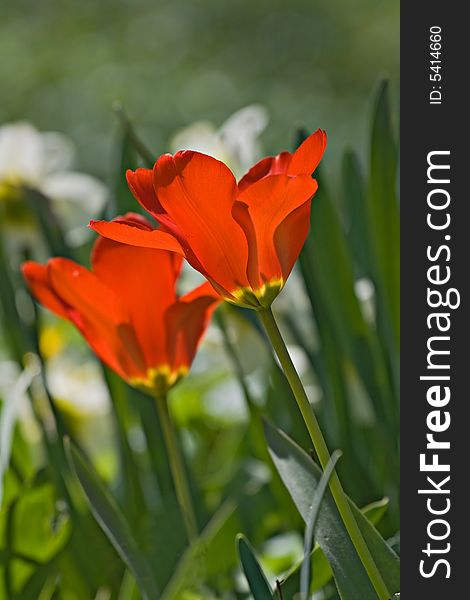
(383, 211)
(113, 523)
(257, 580)
(311, 522)
(301, 476)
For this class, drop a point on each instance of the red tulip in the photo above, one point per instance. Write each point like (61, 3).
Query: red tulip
(127, 309)
(243, 238)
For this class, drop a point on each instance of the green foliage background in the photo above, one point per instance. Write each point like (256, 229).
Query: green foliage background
(172, 62)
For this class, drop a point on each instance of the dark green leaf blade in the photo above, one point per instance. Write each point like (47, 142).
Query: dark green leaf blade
(376, 510)
(40, 206)
(36, 583)
(349, 343)
(320, 565)
(384, 218)
(113, 523)
(355, 210)
(305, 569)
(254, 574)
(210, 552)
(301, 477)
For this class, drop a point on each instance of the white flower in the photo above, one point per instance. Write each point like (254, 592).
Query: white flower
(365, 292)
(77, 386)
(236, 142)
(29, 158)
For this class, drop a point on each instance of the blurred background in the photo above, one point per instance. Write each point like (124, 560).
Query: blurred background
(118, 82)
(172, 62)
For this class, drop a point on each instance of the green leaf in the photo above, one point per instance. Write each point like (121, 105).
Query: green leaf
(48, 223)
(36, 583)
(113, 523)
(85, 567)
(214, 553)
(128, 589)
(157, 453)
(327, 269)
(384, 219)
(321, 570)
(131, 495)
(131, 154)
(34, 529)
(38, 527)
(254, 574)
(305, 569)
(127, 159)
(210, 554)
(355, 210)
(376, 510)
(15, 332)
(301, 477)
(133, 140)
(347, 340)
(319, 563)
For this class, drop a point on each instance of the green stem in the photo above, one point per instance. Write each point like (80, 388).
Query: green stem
(323, 454)
(177, 469)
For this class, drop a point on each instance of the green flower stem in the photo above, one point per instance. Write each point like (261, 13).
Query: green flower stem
(323, 454)
(177, 468)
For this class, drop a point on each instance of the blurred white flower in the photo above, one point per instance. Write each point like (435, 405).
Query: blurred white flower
(225, 401)
(236, 142)
(365, 292)
(77, 387)
(29, 158)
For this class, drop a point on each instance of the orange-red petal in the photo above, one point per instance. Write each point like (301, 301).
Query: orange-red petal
(290, 237)
(98, 314)
(186, 322)
(303, 161)
(261, 209)
(145, 280)
(308, 155)
(272, 165)
(141, 185)
(134, 234)
(197, 193)
(37, 278)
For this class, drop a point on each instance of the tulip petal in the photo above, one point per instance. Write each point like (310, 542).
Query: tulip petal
(140, 183)
(308, 155)
(98, 314)
(186, 322)
(197, 193)
(37, 278)
(272, 165)
(136, 219)
(145, 280)
(304, 161)
(290, 237)
(134, 234)
(260, 210)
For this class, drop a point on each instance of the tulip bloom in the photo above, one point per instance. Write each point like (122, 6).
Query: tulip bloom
(127, 309)
(243, 238)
